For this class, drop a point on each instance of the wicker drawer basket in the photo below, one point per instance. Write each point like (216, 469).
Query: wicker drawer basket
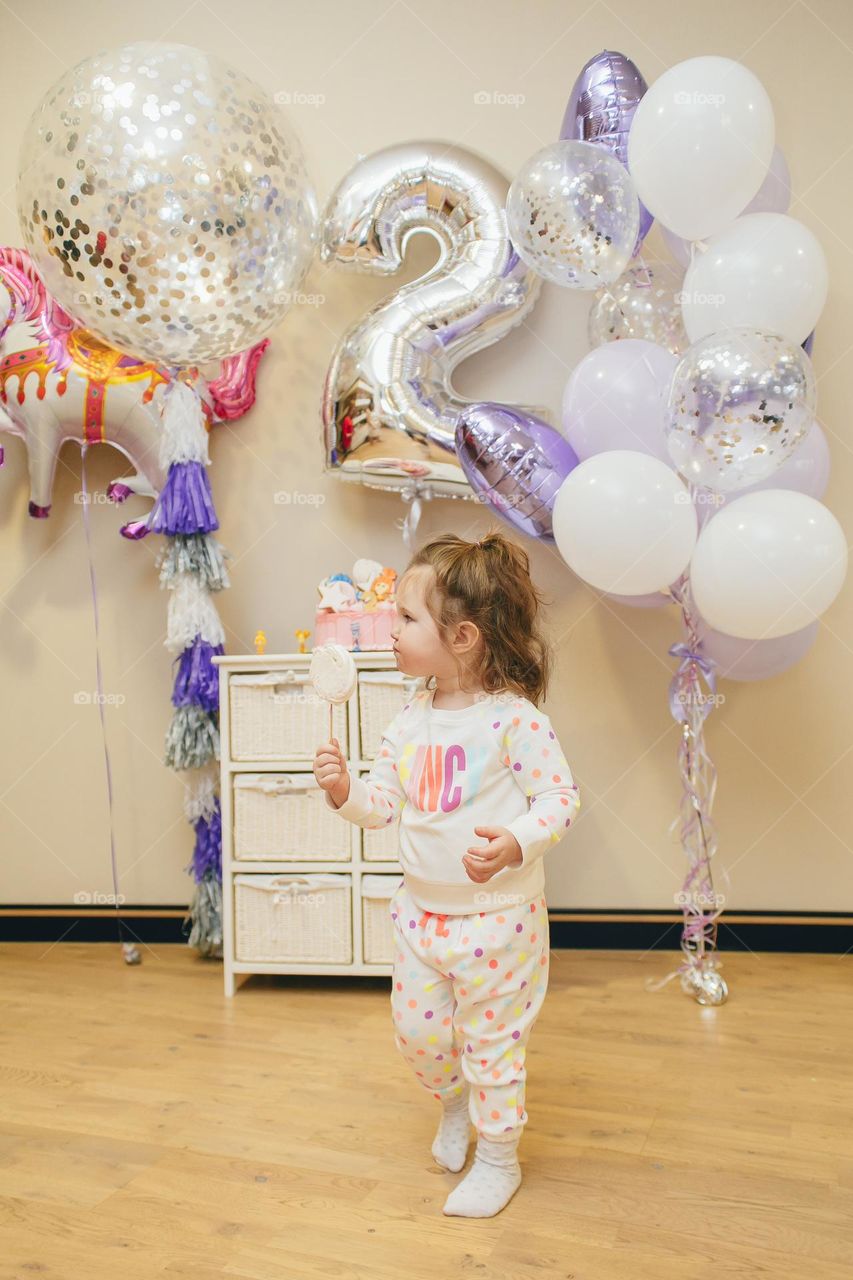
(285, 815)
(276, 715)
(381, 694)
(377, 925)
(293, 918)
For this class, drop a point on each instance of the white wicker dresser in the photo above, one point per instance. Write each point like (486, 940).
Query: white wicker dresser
(303, 891)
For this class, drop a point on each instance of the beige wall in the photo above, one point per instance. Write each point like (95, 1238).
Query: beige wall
(390, 72)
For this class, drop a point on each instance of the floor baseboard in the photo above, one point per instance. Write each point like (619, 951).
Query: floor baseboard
(600, 929)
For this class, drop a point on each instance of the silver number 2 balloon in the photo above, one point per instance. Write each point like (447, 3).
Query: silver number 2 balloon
(389, 411)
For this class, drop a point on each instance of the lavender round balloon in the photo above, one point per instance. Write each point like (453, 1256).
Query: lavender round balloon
(601, 108)
(616, 398)
(738, 659)
(516, 462)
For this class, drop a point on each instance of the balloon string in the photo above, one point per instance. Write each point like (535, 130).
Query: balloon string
(690, 707)
(415, 494)
(131, 953)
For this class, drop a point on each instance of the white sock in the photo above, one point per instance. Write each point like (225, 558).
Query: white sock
(450, 1146)
(491, 1182)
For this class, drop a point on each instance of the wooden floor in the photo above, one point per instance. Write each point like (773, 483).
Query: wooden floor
(152, 1128)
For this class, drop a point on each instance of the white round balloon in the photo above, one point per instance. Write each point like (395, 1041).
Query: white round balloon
(765, 271)
(700, 144)
(773, 196)
(768, 564)
(624, 522)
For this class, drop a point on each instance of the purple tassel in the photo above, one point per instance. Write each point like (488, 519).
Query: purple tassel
(207, 855)
(197, 680)
(185, 503)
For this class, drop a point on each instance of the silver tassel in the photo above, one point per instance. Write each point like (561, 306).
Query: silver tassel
(192, 739)
(205, 916)
(196, 553)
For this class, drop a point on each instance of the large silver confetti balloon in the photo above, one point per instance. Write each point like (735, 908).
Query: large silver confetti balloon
(645, 303)
(573, 215)
(739, 404)
(164, 199)
(389, 408)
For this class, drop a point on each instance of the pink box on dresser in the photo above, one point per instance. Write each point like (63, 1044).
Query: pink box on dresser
(356, 628)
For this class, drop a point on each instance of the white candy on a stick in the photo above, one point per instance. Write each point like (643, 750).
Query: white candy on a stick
(333, 674)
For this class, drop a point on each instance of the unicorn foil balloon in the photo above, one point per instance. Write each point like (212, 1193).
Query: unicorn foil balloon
(60, 382)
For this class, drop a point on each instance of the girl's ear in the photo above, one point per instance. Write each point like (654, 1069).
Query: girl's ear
(465, 637)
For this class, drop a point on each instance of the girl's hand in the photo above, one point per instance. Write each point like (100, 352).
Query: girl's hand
(330, 770)
(484, 861)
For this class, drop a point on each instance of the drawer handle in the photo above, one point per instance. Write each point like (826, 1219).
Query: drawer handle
(273, 678)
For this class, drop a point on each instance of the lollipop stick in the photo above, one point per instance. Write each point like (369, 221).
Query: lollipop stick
(331, 705)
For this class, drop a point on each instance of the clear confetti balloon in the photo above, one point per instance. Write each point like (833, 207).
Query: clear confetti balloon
(573, 215)
(164, 198)
(739, 404)
(643, 303)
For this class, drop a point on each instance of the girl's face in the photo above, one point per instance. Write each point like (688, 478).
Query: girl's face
(417, 643)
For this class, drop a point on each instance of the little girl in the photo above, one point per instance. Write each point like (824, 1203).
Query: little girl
(468, 755)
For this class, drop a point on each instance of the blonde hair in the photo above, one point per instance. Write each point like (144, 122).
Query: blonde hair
(488, 583)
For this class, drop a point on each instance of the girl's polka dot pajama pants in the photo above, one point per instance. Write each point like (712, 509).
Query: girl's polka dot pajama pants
(465, 993)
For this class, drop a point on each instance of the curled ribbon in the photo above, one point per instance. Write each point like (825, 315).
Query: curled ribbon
(680, 690)
(701, 905)
(416, 494)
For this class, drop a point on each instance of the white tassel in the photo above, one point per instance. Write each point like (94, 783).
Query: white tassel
(184, 437)
(200, 794)
(191, 613)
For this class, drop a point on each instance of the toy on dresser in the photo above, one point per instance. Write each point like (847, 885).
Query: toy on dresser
(357, 611)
